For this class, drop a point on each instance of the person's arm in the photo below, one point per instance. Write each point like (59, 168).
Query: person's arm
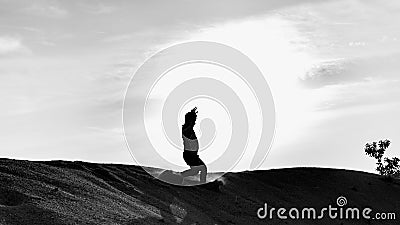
(189, 133)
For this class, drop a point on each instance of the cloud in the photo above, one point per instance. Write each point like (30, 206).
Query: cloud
(99, 8)
(342, 29)
(10, 44)
(47, 10)
(330, 72)
(354, 85)
(350, 71)
(361, 96)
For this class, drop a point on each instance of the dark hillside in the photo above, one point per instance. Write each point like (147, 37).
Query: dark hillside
(61, 192)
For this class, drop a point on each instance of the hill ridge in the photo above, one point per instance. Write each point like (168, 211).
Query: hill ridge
(77, 192)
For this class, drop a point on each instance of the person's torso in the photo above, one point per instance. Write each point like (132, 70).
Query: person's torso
(190, 142)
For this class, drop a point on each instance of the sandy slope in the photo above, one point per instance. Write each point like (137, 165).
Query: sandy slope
(60, 192)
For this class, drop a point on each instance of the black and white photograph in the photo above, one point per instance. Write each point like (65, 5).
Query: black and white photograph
(192, 112)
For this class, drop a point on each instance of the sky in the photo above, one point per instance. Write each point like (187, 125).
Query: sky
(332, 67)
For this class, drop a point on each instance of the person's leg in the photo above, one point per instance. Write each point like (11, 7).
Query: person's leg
(196, 165)
(203, 170)
(194, 170)
(203, 174)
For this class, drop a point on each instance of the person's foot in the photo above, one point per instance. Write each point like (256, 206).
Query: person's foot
(213, 186)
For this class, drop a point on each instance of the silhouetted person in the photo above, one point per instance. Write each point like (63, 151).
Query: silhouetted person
(191, 148)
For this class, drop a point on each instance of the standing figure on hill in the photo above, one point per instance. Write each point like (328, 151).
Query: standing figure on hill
(191, 148)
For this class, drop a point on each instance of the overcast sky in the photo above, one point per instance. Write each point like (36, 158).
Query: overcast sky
(332, 67)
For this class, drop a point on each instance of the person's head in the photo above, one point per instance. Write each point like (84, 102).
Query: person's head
(190, 117)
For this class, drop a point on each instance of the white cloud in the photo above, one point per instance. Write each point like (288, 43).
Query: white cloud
(102, 9)
(9, 44)
(47, 10)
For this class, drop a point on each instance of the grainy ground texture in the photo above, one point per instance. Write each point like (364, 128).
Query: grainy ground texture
(62, 192)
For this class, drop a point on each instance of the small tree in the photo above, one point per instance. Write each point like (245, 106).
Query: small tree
(389, 167)
(392, 166)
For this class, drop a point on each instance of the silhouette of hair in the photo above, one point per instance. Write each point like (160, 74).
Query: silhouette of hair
(191, 116)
